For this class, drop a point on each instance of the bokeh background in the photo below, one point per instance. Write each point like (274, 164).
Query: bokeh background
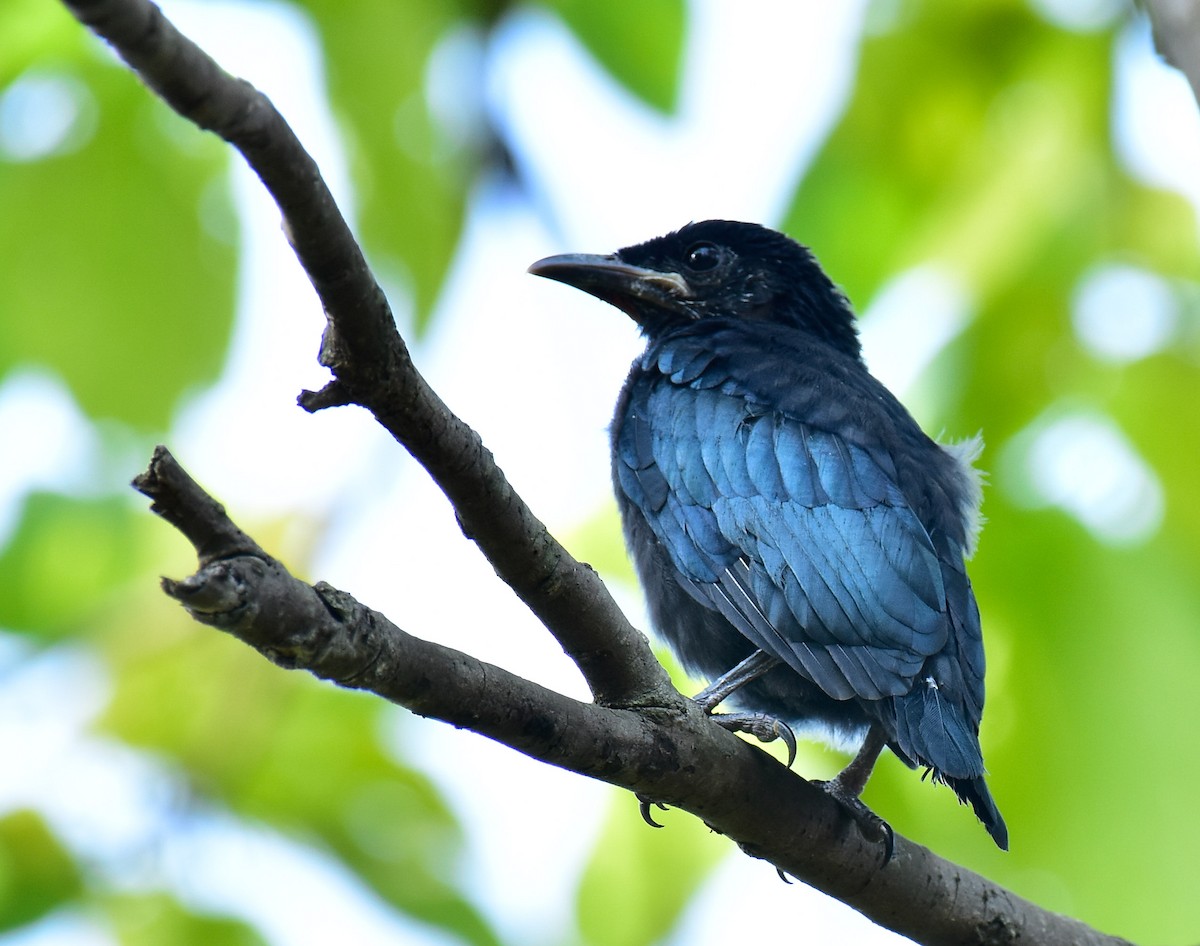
(1005, 189)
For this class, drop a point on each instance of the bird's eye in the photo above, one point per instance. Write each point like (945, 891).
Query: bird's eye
(702, 256)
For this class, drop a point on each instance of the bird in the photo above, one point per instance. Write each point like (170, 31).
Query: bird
(800, 541)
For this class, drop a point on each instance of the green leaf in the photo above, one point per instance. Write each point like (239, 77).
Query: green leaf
(639, 880)
(32, 31)
(111, 275)
(639, 43)
(156, 919)
(67, 558)
(37, 874)
(410, 177)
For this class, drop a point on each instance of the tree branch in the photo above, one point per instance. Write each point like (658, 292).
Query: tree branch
(674, 754)
(640, 734)
(371, 363)
(1177, 36)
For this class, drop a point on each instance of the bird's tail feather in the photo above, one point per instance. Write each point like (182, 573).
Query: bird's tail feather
(975, 793)
(933, 733)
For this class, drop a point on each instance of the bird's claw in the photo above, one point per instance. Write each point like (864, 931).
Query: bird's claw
(873, 827)
(644, 806)
(763, 727)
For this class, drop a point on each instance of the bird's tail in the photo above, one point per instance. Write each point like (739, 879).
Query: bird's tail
(975, 792)
(935, 733)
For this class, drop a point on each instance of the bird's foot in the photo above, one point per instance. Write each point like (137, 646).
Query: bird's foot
(873, 827)
(644, 805)
(763, 727)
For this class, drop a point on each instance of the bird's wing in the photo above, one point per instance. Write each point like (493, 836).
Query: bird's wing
(799, 538)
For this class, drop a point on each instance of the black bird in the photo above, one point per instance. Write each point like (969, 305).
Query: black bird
(798, 537)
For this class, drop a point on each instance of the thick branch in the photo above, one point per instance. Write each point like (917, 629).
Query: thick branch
(676, 754)
(372, 364)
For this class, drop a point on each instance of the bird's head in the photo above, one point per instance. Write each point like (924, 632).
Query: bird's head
(713, 269)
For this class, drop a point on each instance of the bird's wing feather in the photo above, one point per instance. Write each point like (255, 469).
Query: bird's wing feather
(799, 538)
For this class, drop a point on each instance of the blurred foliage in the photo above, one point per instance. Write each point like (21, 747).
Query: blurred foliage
(406, 82)
(157, 223)
(641, 46)
(37, 874)
(306, 759)
(978, 140)
(156, 919)
(410, 176)
(634, 887)
(994, 161)
(96, 542)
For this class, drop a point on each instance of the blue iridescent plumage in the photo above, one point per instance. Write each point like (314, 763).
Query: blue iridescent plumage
(776, 497)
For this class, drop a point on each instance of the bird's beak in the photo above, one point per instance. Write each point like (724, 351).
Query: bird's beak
(645, 295)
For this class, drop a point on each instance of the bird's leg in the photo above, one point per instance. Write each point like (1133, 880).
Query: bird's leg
(851, 781)
(848, 785)
(729, 682)
(763, 727)
(760, 725)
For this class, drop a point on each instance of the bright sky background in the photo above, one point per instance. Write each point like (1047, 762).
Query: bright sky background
(501, 340)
